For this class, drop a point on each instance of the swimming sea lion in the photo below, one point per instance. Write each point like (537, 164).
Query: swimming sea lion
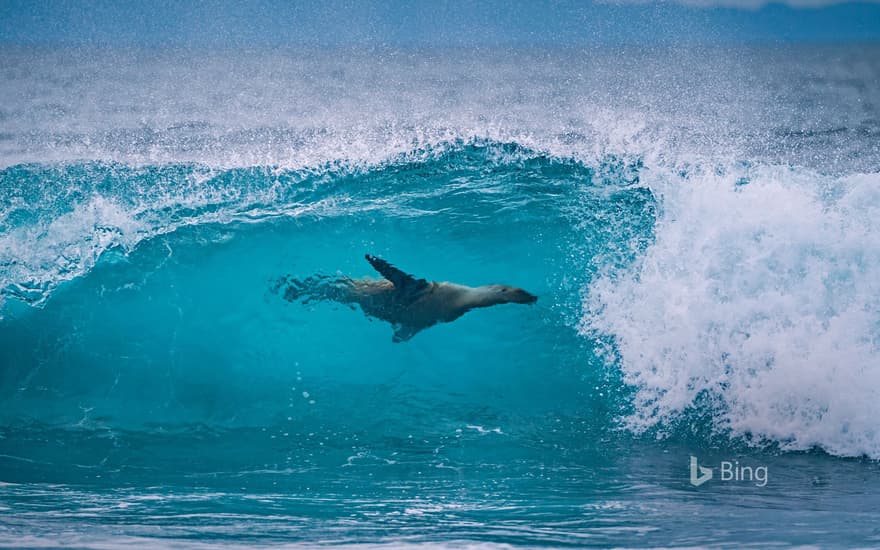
(409, 304)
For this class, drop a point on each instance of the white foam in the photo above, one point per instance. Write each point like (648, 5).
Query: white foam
(763, 297)
(39, 256)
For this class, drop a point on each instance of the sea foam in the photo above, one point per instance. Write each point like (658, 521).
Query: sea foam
(758, 300)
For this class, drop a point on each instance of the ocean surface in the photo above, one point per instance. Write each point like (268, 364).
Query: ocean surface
(701, 226)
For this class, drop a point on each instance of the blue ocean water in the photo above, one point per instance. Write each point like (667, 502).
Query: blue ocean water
(701, 230)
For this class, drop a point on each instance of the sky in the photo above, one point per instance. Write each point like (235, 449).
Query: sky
(432, 23)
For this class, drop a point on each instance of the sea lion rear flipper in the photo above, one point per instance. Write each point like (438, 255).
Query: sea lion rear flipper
(402, 333)
(402, 281)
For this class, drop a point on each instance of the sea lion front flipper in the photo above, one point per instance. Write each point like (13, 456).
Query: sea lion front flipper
(402, 333)
(402, 281)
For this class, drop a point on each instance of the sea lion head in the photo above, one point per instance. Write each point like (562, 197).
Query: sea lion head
(504, 294)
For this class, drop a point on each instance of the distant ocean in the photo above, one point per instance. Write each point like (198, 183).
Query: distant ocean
(702, 228)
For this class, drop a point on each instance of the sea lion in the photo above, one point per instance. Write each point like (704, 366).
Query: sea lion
(409, 304)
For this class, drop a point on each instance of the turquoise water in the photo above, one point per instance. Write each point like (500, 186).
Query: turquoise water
(703, 291)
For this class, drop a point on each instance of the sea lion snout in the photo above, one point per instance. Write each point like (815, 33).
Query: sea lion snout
(521, 296)
(513, 295)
